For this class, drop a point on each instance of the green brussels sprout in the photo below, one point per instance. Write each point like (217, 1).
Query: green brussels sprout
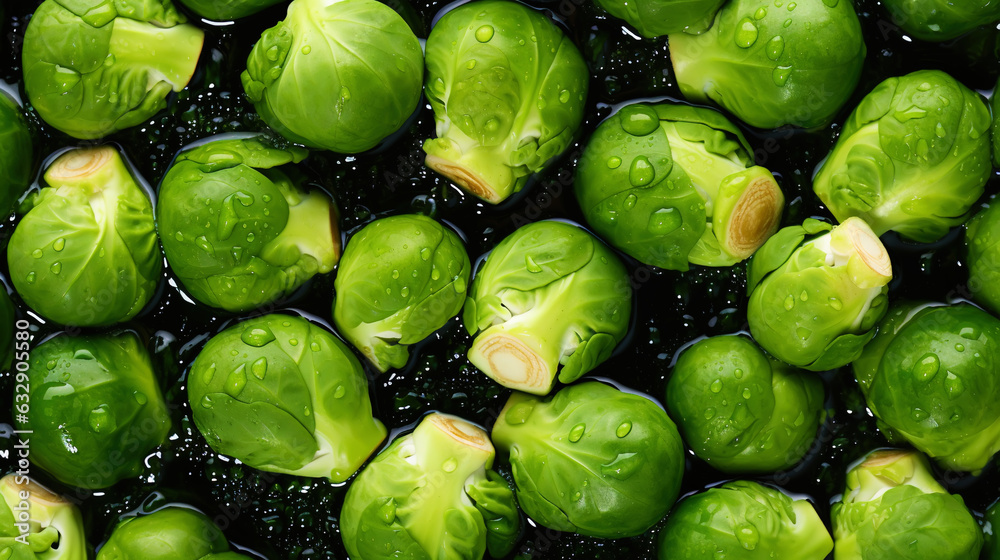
(36, 524)
(912, 158)
(402, 278)
(237, 227)
(86, 252)
(93, 67)
(172, 533)
(16, 154)
(500, 120)
(431, 495)
(991, 524)
(592, 459)
(283, 395)
(548, 294)
(672, 184)
(740, 410)
(941, 20)
(893, 508)
(652, 18)
(814, 302)
(982, 237)
(96, 409)
(319, 81)
(744, 519)
(225, 10)
(928, 376)
(774, 65)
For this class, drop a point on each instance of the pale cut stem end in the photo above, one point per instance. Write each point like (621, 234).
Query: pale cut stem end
(511, 363)
(754, 218)
(464, 177)
(463, 433)
(872, 267)
(79, 165)
(39, 494)
(885, 457)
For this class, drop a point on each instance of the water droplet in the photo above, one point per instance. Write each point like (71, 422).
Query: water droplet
(345, 94)
(664, 221)
(709, 413)
(927, 367)
(203, 243)
(51, 364)
(746, 33)
(630, 201)
(761, 13)
(787, 24)
(624, 429)
(37, 253)
(259, 368)
(953, 385)
(624, 466)
(720, 555)
(564, 96)
(738, 373)
(59, 244)
(789, 302)
(831, 3)
(102, 420)
(295, 341)
(257, 336)
(339, 392)
(404, 292)
(577, 432)
(307, 49)
(959, 347)
(206, 402)
(208, 374)
(30, 278)
(780, 75)
(836, 304)
(531, 265)
(236, 381)
(803, 333)
(614, 162)
(747, 535)
(306, 411)
(518, 414)
(56, 267)
(804, 296)
(450, 465)
(140, 397)
(484, 33)
(470, 64)
(791, 6)
(970, 332)
(716, 386)
(638, 119)
(179, 236)
(425, 254)
(387, 513)
(746, 393)
(775, 47)
(919, 414)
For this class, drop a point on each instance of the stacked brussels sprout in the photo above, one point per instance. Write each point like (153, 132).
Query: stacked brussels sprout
(549, 311)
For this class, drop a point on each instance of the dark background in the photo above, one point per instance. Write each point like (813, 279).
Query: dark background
(289, 517)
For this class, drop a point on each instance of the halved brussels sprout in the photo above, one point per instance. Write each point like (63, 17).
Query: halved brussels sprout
(96, 409)
(340, 75)
(51, 530)
(238, 227)
(941, 20)
(740, 410)
(402, 278)
(653, 18)
(93, 67)
(770, 65)
(548, 294)
(912, 158)
(17, 159)
(893, 508)
(814, 302)
(671, 184)
(86, 253)
(744, 519)
(508, 90)
(929, 376)
(592, 459)
(431, 495)
(284, 395)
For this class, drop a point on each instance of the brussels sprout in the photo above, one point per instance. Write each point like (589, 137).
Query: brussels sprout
(237, 227)
(671, 184)
(913, 157)
(402, 278)
(814, 302)
(893, 508)
(224, 10)
(741, 410)
(548, 294)
(93, 67)
(431, 495)
(982, 238)
(744, 519)
(929, 377)
(320, 81)
(592, 459)
(284, 395)
(172, 533)
(86, 253)
(500, 120)
(96, 408)
(36, 524)
(771, 65)
(16, 155)
(653, 18)
(941, 20)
